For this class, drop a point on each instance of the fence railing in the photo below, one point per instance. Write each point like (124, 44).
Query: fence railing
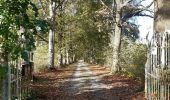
(157, 70)
(21, 77)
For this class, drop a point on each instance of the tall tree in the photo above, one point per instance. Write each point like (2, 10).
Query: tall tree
(116, 36)
(52, 15)
(121, 11)
(61, 34)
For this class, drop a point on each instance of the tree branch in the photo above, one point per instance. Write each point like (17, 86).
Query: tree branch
(145, 15)
(41, 37)
(135, 11)
(147, 7)
(105, 5)
(138, 13)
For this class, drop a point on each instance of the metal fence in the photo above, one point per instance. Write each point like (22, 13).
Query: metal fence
(157, 70)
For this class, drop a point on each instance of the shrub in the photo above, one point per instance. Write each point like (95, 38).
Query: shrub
(40, 58)
(108, 57)
(133, 59)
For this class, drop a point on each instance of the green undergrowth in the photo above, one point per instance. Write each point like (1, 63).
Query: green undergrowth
(132, 59)
(41, 58)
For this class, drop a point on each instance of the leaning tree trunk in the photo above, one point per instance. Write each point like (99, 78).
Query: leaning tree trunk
(116, 41)
(51, 35)
(162, 16)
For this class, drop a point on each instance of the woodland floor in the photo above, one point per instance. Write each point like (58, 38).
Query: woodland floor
(82, 81)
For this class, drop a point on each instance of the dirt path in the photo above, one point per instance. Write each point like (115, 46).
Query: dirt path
(83, 82)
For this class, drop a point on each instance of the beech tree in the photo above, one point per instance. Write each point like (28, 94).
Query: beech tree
(52, 14)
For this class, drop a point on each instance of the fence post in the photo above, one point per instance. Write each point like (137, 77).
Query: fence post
(146, 76)
(162, 92)
(9, 82)
(17, 81)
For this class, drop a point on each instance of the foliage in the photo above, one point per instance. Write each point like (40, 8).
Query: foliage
(133, 58)
(42, 25)
(91, 41)
(108, 56)
(85, 33)
(131, 30)
(17, 27)
(40, 57)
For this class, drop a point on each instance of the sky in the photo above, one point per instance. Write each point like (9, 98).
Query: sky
(145, 23)
(145, 26)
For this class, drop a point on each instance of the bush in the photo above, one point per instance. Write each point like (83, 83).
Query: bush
(108, 57)
(40, 58)
(133, 58)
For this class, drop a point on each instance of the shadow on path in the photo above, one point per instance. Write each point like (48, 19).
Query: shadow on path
(84, 82)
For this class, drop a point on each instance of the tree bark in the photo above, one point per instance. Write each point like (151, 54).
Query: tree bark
(67, 55)
(60, 45)
(58, 58)
(7, 79)
(51, 49)
(162, 13)
(116, 41)
(51, 35)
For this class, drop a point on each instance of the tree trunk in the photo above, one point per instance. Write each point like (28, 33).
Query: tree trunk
(61, 35)
(116, 41)
(51, 36)
(58, 58)
(7, 79)
(60, 45)
(162, 19)
(51, 49)
(67, 55)
(61, 60)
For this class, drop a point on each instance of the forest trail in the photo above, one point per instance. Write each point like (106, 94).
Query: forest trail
(82, 81)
